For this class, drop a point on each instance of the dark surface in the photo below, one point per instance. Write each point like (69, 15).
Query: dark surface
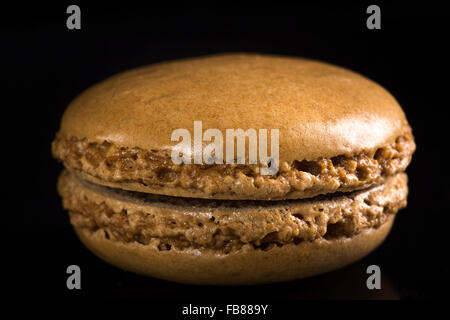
(47, 66)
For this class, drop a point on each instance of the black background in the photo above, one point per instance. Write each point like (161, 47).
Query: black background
(46, 66)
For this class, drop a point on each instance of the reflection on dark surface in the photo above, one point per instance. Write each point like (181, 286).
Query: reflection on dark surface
(346, 283)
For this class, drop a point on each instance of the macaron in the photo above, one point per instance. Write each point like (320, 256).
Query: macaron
(316, 187)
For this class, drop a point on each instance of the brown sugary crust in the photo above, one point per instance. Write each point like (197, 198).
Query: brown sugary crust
(226, 226)
(153, 171)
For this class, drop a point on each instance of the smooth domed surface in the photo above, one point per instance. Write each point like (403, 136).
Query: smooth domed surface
(321, 110)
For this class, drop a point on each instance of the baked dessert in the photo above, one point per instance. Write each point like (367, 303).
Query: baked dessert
(343, 146)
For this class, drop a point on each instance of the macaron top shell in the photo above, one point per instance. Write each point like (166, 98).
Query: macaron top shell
(320, 110)
(337, 131)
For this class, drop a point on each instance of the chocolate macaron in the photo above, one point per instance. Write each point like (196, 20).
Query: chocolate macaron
(337, 179)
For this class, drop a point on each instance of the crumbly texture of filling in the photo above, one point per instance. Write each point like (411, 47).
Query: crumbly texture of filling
(225, 226)
(301, 179)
